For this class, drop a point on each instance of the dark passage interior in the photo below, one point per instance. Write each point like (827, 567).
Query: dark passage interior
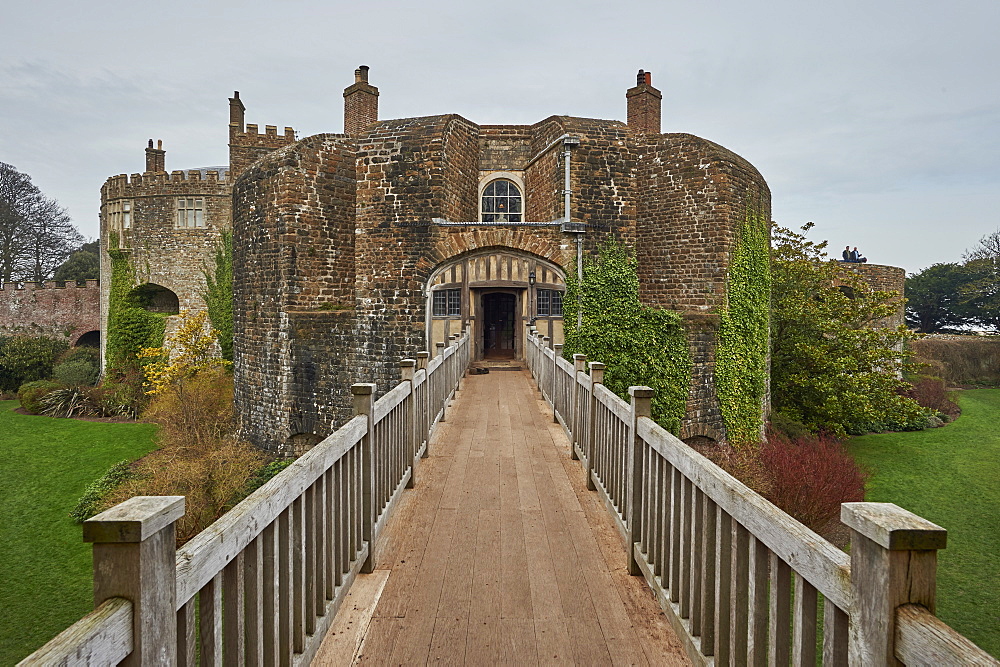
(498, 325)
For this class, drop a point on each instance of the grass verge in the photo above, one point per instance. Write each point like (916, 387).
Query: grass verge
(45, 465)
(951, 476)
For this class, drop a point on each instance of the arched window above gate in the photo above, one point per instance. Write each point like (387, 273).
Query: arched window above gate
(502, 201)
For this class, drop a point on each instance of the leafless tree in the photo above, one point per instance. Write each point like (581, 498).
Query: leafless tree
(36, 234)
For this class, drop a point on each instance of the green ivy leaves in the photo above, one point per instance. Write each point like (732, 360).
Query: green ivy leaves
(640, 345)
(741, 357)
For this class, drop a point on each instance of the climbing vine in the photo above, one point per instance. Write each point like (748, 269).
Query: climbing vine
(130, 326)
(741, 357)
(640, 345)
(218, 294)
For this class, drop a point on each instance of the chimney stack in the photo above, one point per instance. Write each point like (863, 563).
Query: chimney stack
(644, 105)
(155, 157)
(360, 104)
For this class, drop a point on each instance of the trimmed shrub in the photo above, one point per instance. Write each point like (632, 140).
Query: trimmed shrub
(31, 394)
(92, 500)
(965, 360)
(930, 392)
(77, 373)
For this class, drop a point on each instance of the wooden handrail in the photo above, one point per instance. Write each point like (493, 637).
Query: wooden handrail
(102, 637)
(723, 561)
(266, 578)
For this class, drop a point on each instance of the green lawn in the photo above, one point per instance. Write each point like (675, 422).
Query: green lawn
(45, 567)
(951, 476)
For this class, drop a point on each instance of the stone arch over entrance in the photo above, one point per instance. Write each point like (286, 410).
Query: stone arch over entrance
(544, 242)
(495, 292)
(157, 298)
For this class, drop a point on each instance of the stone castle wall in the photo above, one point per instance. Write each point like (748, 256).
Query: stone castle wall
(159, 251)
(65, 311)
(886, 279)
(694, 197)
(297, 215)
(293, 284)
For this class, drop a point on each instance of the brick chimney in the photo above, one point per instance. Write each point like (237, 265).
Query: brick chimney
(156, 157)
(644, 105)
(360, 104)
(237, 114)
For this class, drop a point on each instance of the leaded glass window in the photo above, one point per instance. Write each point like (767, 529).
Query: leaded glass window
(502, 202)
(447, 303)
(548, 303)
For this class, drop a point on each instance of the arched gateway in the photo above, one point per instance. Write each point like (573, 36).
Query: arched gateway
(495, 294)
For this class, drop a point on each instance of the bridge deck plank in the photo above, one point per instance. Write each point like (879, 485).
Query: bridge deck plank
(501, 556)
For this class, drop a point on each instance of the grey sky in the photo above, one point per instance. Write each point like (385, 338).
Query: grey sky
(878, 120)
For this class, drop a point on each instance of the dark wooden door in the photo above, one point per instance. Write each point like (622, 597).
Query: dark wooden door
(498, 325)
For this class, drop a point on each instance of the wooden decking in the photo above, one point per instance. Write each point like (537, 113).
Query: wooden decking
(500, 554)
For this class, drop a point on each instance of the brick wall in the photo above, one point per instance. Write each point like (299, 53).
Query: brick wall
(692, 197)
(293, 274)
(59, 310)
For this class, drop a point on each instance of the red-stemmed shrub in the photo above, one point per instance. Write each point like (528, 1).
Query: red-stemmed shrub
(809, 477)
(931, 392)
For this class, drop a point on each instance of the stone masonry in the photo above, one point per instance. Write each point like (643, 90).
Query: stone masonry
(337, 236)
(66, 311)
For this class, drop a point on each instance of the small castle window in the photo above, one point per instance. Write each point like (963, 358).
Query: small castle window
(549, 303)
(502, 202)
(120, 219)
(190, 212)
(447, 303)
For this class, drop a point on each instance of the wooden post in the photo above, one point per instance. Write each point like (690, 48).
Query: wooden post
(441, 381)
(547, 383)
(893, 562)
(407, 368)
(557, 349)
(422, 359)
(642, 402)
(364, 404)
(596, 378)
(576, 441)
(134, 551)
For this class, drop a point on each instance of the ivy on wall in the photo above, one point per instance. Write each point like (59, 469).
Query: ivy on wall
(218, 294)
(130, 326)
(741, 371)
(640, 345)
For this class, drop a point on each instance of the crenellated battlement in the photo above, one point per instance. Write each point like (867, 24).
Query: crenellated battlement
(252, 134)
(49, 285)
(179, 181)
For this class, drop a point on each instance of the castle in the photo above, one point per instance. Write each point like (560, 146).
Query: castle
(353, 250)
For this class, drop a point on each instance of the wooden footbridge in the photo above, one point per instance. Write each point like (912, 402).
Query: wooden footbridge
(527, 516)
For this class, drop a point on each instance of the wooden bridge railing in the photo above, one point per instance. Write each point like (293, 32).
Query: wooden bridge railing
(742, 582)
(261, 585)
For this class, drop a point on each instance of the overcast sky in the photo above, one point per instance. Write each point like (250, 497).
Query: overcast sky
(878, 120)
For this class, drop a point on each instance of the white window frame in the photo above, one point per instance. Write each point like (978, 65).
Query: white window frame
(187, 213)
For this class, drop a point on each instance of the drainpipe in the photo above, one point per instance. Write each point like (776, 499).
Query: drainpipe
(568, 143)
